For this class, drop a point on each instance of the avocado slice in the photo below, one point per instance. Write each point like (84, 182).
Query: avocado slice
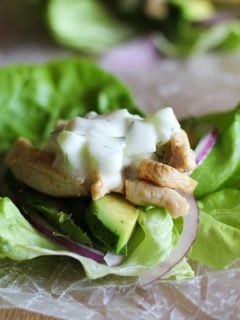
(112, 219)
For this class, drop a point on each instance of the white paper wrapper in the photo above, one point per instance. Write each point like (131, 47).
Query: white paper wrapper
(57, 286)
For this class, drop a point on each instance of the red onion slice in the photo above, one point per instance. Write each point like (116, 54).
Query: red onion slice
(205, 146)
(186, 239)
(38, 223)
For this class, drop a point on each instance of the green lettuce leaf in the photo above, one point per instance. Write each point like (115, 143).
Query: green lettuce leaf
(217, 244)
(160, 239)
(85, 24)
(224, 206)
(20, 241)
(33, 97)
(220, 120)
(218, 238)
(161, 235)
(221, 169)
(198, 127)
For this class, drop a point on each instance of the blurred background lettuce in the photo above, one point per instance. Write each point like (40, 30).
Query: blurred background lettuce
(177, 28)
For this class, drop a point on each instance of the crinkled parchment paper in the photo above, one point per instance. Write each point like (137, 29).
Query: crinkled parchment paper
(56, 286)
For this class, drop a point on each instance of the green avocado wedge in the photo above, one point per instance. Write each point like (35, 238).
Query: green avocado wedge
(112, 219)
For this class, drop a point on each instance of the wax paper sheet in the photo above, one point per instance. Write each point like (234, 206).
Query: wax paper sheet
(56, 286)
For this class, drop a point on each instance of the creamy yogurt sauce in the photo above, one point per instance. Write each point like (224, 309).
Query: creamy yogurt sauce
(105, 145)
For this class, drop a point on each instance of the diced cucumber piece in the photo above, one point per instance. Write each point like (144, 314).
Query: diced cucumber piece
(165, 123)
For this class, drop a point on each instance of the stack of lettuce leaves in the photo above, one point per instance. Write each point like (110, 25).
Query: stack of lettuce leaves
(32, 98)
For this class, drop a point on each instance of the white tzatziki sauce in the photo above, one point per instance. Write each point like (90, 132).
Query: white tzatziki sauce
(106, 145)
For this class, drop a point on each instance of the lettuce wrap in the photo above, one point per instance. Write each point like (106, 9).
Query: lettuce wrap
(34, 97)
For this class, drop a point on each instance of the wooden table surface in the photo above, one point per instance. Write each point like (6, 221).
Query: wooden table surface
(19, 314)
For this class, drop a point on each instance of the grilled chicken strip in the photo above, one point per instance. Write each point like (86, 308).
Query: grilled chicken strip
(182, 156)
(143, 193)
(34, 168)
(165, 176)
(98, 188)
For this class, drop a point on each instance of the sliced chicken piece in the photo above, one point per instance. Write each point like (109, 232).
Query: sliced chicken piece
(165, 176)
(34, 168)
(182, 156)
(143, 193)
(98, 188)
